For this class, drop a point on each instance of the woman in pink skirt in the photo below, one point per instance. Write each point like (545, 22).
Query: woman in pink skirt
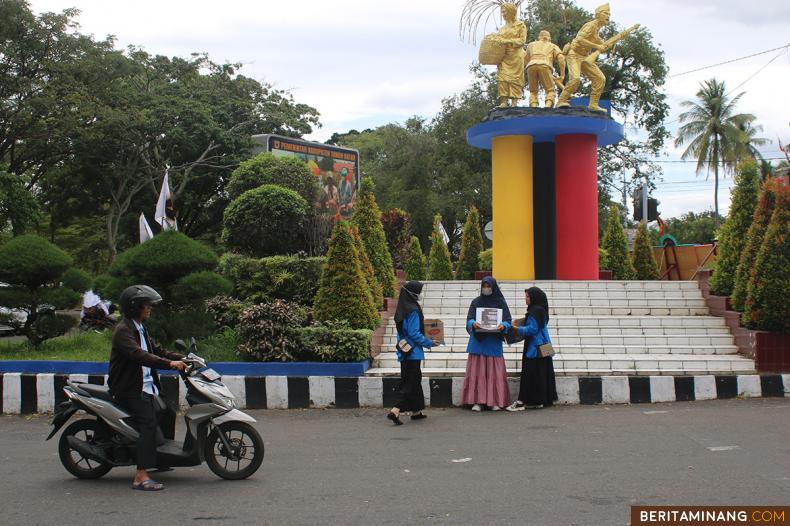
(485, 382)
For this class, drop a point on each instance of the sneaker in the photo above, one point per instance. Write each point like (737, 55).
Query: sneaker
(515, 406)
(537, 406)
(496, 408)
(477, 408)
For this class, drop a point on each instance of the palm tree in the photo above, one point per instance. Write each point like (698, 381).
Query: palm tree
(748, 141)
(711, 130)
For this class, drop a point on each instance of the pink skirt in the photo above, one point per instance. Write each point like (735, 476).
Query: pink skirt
(485, 381)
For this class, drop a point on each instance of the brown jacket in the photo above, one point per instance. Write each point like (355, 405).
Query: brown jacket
(128, 357)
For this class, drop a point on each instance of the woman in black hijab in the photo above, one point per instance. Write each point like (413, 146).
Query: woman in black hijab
(411, 329)
(538, 386)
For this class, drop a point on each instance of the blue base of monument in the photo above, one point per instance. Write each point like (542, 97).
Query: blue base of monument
(544, 125)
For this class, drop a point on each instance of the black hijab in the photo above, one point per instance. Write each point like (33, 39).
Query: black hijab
(407, 303)
(495, 301)
(538, 306)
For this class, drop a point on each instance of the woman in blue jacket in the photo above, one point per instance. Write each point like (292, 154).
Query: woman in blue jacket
(538, 386)
(411, 327)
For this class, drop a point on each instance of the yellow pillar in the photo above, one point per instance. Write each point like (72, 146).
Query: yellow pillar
(514, 253)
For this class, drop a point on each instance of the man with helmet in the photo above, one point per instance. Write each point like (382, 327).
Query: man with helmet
(133, 380)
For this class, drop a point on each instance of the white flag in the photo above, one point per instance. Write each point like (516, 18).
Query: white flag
(165, 205)
(444, 233)
(145, 229)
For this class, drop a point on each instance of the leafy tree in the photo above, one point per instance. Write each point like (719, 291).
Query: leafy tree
(732, 236)
(644, 262)
(367, 219)
(416, 265)
(615, 244)
(439, 265)
(753, 242)
(693, 228)
(18, 206)
(344, 293)
(265, 221)
(471, 246)
(487, 259)
(710, 130)
(376, 290)
(265, 168)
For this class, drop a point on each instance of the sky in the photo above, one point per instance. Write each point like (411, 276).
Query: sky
(366, 63)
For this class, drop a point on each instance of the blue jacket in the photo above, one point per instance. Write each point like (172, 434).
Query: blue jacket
(417, 340)
(490, 345)
(534, 336)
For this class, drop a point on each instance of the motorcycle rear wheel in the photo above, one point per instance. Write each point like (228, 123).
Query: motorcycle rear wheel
(238, 464)
(87, 430)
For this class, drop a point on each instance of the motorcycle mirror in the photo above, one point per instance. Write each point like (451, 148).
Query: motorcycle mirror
(180, 345)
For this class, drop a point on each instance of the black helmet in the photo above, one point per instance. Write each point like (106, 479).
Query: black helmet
(132, 298)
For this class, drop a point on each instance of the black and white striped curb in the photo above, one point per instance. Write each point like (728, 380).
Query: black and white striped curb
(40, 393)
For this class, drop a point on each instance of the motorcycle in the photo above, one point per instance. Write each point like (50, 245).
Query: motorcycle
(216, 432)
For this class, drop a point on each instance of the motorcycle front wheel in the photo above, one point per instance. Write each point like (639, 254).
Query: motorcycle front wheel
(93, 433)
(245, 455)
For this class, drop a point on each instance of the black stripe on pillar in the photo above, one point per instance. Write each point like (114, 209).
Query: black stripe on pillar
(1, 393)
(441, 392)
(29, 394)
(170, 385)
(58, 383)
(544, 210)
(772, 385)
(390, 391)
(298, 392)
(346, 392)
(590, 390)
(726, 386)
(96, 379)
(640, 389)
(255, 389)
(684, 389)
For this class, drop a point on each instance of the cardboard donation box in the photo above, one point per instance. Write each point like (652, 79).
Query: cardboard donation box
(434, 329)
(489, 319)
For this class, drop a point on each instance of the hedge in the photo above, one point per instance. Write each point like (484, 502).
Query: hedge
(486, 259)
(333, 343)
(644, 262)
(416, 265)
(615, 244)
(265, 168)
(265, 332)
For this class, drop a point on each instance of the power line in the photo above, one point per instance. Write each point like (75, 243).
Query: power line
(729, 61)
(755, 73)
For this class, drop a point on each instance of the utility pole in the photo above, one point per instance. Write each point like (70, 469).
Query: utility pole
(625, 199)
(644, 202)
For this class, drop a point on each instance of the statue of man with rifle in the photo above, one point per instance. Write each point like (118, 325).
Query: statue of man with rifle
(582, 53)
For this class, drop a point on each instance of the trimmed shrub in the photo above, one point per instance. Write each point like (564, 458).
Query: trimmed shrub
(471, 246)
(397, 229)
(51, 326)
(439, 265)
(76, 279)
(416, 265)
(265, 221)
(644, 262)
(754, 240)
(767, 305)
(486, 259)
(732, 235)
(265, 168)
(616, 246)
(291, 278)
(367, 218)
(196, 288)
(225, 311)
(266, 332)
(334, 342)
(376, 291)
(344, 293)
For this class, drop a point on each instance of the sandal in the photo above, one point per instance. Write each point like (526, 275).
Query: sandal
(395, 419)
(148, 485)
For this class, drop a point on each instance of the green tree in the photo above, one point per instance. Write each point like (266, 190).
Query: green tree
(753, 242)
(487, 259)
(471, 246)
(644, 262)
(18, 206)
(397, 229)
(767, 305)
(615, 244)
(265, 168)
(732, 236)
(439, 265)
(416, 265)
(344, 293)
(711, 131)
(367, 219)
(376, 290)
(693, 228)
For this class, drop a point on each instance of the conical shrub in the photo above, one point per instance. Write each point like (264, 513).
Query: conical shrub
(367, 218)
(439, 265)
(644, 262)
(471, 246)
(370, 276)
(344, 293)
(615, 244)
(416, 264)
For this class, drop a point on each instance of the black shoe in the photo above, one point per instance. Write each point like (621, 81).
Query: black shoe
(419, 416)
(395, 420)
(160, 470)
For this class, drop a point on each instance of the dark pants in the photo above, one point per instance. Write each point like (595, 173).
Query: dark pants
(538, 385)
(410, 396)
(145, 414)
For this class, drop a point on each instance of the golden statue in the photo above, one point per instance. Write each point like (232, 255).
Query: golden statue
(541, 55)
(582, 53)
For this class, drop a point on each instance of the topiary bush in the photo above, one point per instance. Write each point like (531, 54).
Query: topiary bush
(265, 221)
(376, 290)
(732, 235)
(334, 342)
(416, 265)
(344, 293)
(266, 332)
(76, 279)
(471, 246)
(265, 168)
(439, 265)
(225, 310)
(367, 219)
(196, 288)
(291, 278)
(616, 246)
(644, 262)
(397, 229)
(486, 259)
(754, 240)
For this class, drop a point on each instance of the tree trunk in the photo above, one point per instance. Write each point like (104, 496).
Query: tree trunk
(716, 182)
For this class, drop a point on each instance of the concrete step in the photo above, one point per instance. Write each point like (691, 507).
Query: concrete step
(689, 339)
(557, 285)
(598, 311)
(619, 323)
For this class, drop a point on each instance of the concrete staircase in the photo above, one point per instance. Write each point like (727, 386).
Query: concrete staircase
(597, 327)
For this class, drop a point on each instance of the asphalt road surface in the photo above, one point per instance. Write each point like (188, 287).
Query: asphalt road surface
(582, 465)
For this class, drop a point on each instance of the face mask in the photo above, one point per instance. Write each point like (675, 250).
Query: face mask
(487, 291)
(417, 297)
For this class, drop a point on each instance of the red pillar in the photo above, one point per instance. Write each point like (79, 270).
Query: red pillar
(576, 172)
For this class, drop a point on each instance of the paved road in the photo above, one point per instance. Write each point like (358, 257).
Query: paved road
(568, 465)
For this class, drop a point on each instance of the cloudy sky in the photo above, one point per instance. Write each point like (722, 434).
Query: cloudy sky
(364, 63)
